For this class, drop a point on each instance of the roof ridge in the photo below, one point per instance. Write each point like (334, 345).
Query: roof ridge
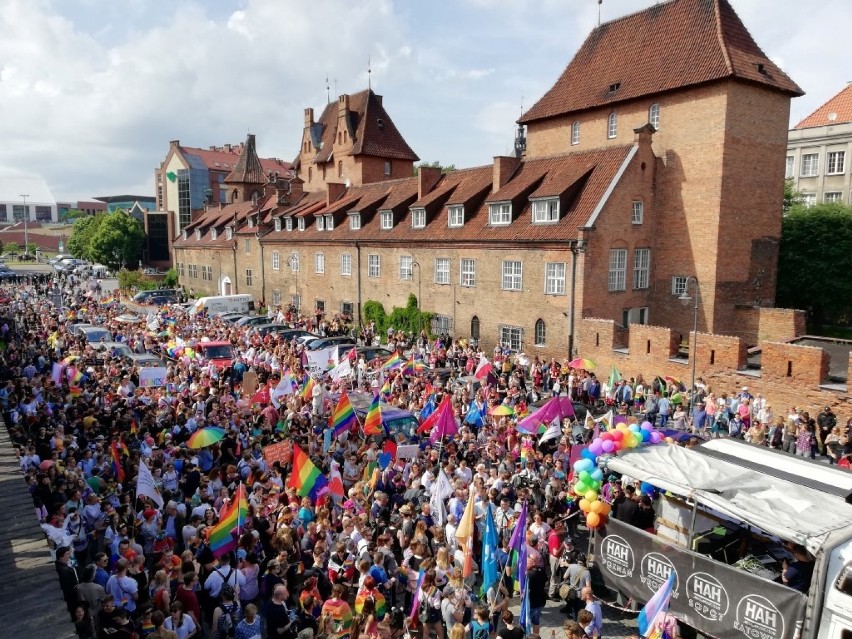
(847, 87)
(660, 3)
(597, 149)
(720, 35)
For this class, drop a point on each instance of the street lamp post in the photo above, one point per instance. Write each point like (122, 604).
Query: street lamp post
(693, 351)
(293, 260)
(419, 301)
(26, 224)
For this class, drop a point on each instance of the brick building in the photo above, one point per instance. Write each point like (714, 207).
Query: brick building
(817, 150)
(634, 173)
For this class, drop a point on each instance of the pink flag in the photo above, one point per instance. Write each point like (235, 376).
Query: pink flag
(446, 423)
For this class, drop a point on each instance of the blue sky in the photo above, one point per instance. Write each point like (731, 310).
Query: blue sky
(93, 90)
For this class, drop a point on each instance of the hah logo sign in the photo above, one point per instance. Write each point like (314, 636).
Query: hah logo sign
(758, 618)
(707, 596)
(617, 556)
(655, 571)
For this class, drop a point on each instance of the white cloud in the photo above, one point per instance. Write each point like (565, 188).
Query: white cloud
(93, 91)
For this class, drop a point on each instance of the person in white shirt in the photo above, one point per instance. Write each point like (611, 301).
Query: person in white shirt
(222, 575)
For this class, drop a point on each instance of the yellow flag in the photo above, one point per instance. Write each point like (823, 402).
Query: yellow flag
(464, 534)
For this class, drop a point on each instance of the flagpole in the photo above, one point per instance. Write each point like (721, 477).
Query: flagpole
(239, 525)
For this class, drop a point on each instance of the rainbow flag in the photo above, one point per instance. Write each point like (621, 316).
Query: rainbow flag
(340, 613)
(75, 391)
(386, 389)
(415, 601)
(117, 470)
(107, 301)
(306, 478)
(379, 598)
(76, 377)
(394, 361)
(221, 538)
(517, 544)
(373, 421)
(652, 616)
(307, 389)
(343, 417)
(413, 367)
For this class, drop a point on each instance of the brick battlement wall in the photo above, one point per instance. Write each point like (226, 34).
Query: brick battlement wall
(789, 374)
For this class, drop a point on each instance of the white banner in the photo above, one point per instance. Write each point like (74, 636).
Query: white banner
(407, 452)
(321, 360)
(145, 485)
(154, 376)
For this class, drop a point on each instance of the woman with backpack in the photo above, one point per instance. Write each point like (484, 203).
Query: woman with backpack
(429, 612)
(226, 615)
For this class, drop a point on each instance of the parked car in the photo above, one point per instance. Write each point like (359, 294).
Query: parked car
(114, 349)
(144, 297)
(252, 320)
(231, 317)
(144, 360)
(77, 327)
(96, 334)
(326, 342)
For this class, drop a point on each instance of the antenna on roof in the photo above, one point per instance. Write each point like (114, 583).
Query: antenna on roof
(600, 2)
(369, 72)
(335, 86)
(327, 91)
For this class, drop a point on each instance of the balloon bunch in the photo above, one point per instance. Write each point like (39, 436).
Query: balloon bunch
(589, 477)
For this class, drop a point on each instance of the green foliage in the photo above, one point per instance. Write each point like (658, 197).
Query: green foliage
(74, 214)
(134, 280)
(171, 278)
(117, 241)
(408, 319)
(82, 233)
(32, 247)
(815, 261)
(11, 247)
(792, 197)
(436, 165)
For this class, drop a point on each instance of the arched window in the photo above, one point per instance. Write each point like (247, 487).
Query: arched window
(654, 115)
(340, 168)
(540, 333)
(474, 328)
(234, 196)
(612, 125)
(310, 174)
(575, 132)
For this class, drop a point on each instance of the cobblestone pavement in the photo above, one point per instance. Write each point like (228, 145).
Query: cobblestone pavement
(616, 623)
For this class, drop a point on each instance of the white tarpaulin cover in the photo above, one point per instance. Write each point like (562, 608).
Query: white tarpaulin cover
(779, 507)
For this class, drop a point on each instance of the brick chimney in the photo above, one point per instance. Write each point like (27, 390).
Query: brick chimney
(296, 190)
(309, 117)
(342, 104)
(644, 134)
(227, 148)
(334, 191)
(504, 167)
(427, 178)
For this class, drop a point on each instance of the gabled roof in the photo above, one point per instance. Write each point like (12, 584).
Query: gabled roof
(371, 128)
(248, 169)
(838, 110)
(671, 45)
(214, 218)
(223, 159)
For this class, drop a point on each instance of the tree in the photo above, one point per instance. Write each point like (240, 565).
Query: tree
(75, 214)
(82, 233)
(435, 165)
(11, 247)
(32, 247)
(815, 261)
(171, 278)
(792, 197)
(117, 241)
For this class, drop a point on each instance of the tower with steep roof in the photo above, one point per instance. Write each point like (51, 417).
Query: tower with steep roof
(247, 178)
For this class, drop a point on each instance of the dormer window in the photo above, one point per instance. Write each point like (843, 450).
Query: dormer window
(183, 234)
(455, 216)
(614, 87)
(329, 222)
(277, 223)
(301, 224)
(229, 233)
(500, 213)
(214, 234)
(320, 223)
(355, 221)
(251, 222)
(197, 234)
(545, 211)
(387, 220)
(418, 218)
(288, 224)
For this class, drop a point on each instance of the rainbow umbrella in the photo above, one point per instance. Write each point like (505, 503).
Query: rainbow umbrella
(673, 380)
(502, 410)
(582, 362)
(205, 437)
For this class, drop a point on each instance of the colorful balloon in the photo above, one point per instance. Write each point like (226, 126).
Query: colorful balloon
(656, 437)
(593, 520)
(597, 506)
(585, 476)
(585, 505)
(647, 425)
(608, 446)
(591, 495)
(617, 435)
(597, 475)
(606, 437)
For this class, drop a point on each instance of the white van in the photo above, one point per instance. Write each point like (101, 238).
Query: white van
(218, 304)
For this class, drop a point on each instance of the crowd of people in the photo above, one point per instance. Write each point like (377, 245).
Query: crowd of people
(374, 561)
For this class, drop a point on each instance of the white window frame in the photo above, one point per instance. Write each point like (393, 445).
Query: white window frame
(229, 233)
(512, 272)
(197, 234)
(374, 265)
(387, 167)
(575, 133)
(418, 218)
(554, 278)
(406, 267)
(288, 224)
(247, 246)
(354, 221)
(500, 213)
(835, 162)
(386, 220)
(679, 284)
(296, 301)
(612, 126)
(511, 336)
(442, 324)
(540, 340)
(249, 277)
(294, 262)
(455, 216)
(467, 272)
(181, 269)
(836, 197)
(545, 211)
(276, 299)
(808, 199)
(329, 222)
(319, 263)
(638, 213)
(442, 270)
(346, 264)
(790, 167)
(214, 234)
(277, 223)
(320, 223)
(351, 310)
(301, 224)
(641, 268)
(617, 280)
(276, 261)
(809, 165)
(319, 305)
(654, 115)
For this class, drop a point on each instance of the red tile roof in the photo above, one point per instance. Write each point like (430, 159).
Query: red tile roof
(372, 130)
(248, 169)
(223, 160)
(838, 110)
(668, 46)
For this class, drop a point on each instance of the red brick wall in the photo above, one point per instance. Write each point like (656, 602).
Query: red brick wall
(756, 324)
(794, 364)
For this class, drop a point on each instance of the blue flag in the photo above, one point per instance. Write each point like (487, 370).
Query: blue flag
(428, 408)
(490, 570)
(474, 415)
